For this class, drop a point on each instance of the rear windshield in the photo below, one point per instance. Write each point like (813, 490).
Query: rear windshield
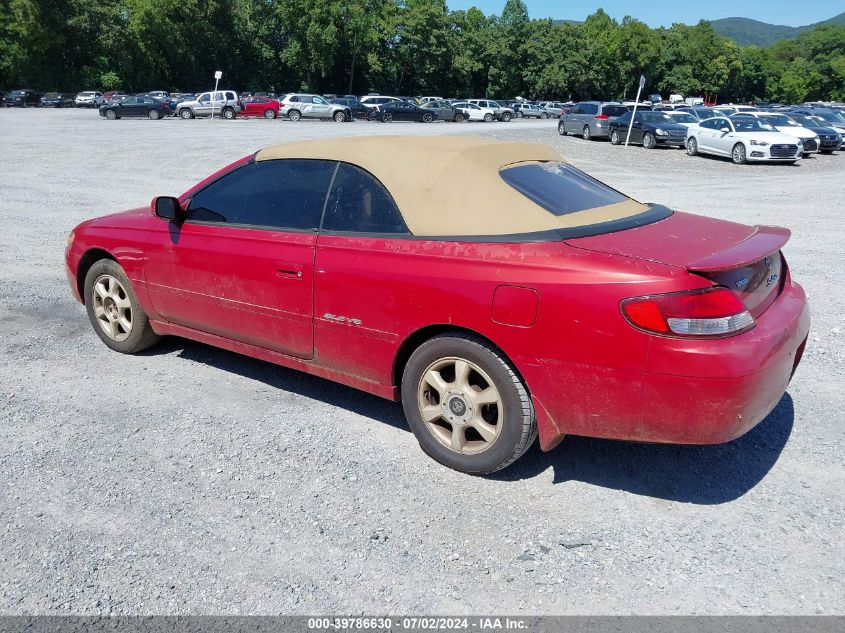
(560, 188)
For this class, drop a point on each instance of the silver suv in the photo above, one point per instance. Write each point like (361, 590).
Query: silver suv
(223, 103)
(590, 119)
(296, 106)
(500, 112)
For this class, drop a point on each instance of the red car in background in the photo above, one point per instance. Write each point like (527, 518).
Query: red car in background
(495, 290)
(260, 106)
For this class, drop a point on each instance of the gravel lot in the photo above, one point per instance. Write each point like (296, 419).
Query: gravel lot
(192, 480)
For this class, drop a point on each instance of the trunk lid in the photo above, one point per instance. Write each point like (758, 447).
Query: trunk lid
(746, 259)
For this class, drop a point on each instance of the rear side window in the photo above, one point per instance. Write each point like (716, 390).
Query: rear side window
(359, 203)
(287, 194)
(590, 108)
(560, 188)
(616, 110)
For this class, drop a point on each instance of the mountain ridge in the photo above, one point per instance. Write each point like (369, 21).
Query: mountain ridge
(749, 32)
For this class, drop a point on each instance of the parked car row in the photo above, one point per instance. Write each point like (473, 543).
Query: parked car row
(740, 132)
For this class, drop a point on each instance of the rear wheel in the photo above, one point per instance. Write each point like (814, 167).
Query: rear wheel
(649, 141)
(544, 115)
(269, 113)
(488, 117)
(614, 137)
(339, 116)
(294, 115)
(113, 309)
(154, 115)
(692, 146)
(466, 405)
(738, 154)
(506, 116)
(586, 133)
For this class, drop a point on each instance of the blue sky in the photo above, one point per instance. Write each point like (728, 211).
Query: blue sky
(655, 13)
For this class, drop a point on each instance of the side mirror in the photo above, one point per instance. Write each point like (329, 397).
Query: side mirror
(167, 207)
(726, 130)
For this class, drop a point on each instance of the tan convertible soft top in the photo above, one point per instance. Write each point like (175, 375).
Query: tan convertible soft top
(450, 185)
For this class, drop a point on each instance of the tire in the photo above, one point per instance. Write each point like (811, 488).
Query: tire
(648, 141)
(586, 133)
(107, 275)
(339, 116)
(269, 113)
(614, 137)
(561, 128)
(544, 115)
(294, 115)
(111, 115)
(427, 118)
(154, 115)
(186, 113)
(692, 146)
(506, 116)
(386, 117)
(228, 114)
(738, 154)
(488, 117)
(459, 118)
(505, 440)
(826, 151)
(519, 115)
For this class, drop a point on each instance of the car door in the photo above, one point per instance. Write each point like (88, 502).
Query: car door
(356, 314)
(723, 141)
(570, 121)
(133, 106)
(203, 106)
(241, 264)
(322, 108)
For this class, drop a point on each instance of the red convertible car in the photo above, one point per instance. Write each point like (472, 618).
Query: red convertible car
(495, 290)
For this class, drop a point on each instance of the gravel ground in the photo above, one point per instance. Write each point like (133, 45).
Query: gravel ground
(192, 480)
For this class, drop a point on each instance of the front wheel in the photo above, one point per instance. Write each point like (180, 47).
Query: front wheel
(269, 113)
(339, 117)
(154, 115)
(228, 113)
(692, 146)
(386, 117)
(114, 311)
(649, 141)
(466, 405)
(459, 118)
(544, 115)
(738, 154)
(111, 115)
(186, 113)
(506, 116)
(614, 137)
(427, 118)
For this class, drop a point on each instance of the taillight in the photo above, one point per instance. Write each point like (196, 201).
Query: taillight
(709, 313)
(601, 116)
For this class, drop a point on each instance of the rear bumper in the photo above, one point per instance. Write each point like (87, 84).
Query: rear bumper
(692, 392)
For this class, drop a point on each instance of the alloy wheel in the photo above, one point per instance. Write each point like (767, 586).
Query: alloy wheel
(112, 308)
(460, 405)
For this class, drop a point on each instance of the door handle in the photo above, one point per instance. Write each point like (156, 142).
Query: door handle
(289, 271)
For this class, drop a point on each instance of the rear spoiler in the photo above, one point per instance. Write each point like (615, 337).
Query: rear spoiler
(764, 241)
